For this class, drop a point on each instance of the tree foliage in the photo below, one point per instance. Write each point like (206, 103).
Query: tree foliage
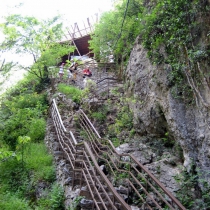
(40, 39)
(24, 160)
(117, 31)
(170, 30)
(22, 115)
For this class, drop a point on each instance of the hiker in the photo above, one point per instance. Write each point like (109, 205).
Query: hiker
(73, 69)
(87, 72)
(61, 70)
(70, 75)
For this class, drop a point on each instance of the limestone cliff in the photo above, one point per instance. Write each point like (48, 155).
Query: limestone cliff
(157, 112)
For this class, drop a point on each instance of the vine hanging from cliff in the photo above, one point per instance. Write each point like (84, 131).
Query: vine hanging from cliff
(172, 32)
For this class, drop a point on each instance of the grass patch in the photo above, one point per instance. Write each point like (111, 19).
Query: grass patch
(99, 116)
(70, 91)
(115, 142)
(18, 180)
(38, 160)
(12, 201)
(54, 199)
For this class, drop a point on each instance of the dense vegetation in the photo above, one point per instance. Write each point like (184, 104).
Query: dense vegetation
(170, 30)
(27, 175)
(24, 160)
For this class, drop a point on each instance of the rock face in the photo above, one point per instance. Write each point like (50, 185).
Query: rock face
(157, 112)
(165, 168)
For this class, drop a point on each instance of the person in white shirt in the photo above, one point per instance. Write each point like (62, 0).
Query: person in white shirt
(61, 70)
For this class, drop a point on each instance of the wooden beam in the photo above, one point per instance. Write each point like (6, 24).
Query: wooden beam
(72, 38)
(79, 30)
(73, 28)
(85, 27)
(70, 41)
(89, 24)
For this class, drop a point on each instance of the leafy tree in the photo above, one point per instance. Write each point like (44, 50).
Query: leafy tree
(22, 115)
(22, 141)
(40, 39)
(172, 32)
(5, 67)
(5, 154)
(117, 30)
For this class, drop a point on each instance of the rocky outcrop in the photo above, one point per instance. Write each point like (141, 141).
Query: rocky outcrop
(164, 168)
(157, 114)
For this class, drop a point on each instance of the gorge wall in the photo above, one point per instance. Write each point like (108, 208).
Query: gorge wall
(158, 114)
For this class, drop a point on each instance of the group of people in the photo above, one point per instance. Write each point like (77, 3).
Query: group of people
(72, 72)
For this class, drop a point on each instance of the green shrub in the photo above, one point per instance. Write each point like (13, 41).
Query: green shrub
(71, 92)
(13, 175)
(57, 197)
(190, 194)
(37, 129)
(20, 179)
(42, 84)
(12, 201)
(101, 113)
(83, 134)
(25, 86)
(54, 199)
(124, 121)
(132, 133)
(17, 113)
(99, 116)
(75, 203)
(22, 101)
(115, 141)
(18, 125)
(40, 162)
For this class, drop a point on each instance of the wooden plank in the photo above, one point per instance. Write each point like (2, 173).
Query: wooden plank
(74, 43)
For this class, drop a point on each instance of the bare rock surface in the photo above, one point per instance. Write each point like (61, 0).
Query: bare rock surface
(157, 112)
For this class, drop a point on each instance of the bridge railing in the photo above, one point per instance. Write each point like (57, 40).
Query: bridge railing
(135, 175)
(85, 168)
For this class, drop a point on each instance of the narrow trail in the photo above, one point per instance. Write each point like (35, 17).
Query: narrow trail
(105, 178)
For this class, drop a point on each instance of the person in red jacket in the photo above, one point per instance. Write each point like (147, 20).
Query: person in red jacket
(87, 72)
